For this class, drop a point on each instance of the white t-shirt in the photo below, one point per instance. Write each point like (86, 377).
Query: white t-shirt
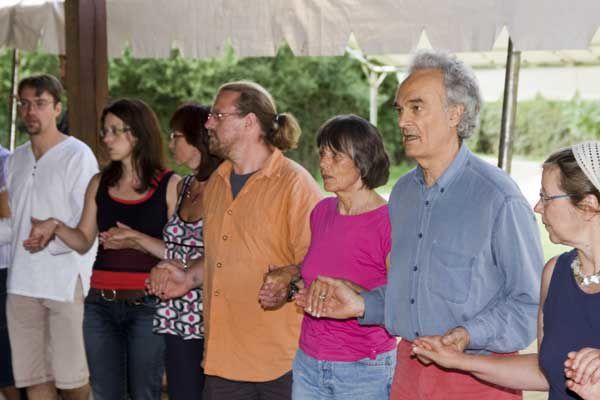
(53, 186)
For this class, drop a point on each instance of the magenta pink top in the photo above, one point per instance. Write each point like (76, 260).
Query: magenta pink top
(353, 247)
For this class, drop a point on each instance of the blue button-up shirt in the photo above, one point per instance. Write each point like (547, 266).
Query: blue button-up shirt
(465, 252)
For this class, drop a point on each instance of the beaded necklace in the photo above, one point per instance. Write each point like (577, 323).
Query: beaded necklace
(582, 279)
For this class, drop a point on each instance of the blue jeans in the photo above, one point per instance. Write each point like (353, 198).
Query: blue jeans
(363, 379)
(126, 360)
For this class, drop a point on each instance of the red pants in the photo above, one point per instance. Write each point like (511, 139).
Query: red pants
(415, 381)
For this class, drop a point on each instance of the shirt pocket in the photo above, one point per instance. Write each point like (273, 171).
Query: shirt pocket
(450, 274)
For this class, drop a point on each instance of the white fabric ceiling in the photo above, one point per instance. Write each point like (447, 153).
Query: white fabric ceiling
(311, 27)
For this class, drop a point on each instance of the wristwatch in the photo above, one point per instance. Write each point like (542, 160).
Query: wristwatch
(293, 288)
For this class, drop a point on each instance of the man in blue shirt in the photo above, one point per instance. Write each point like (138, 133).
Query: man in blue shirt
(466, 256)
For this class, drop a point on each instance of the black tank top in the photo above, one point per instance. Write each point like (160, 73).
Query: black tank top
(147, 215)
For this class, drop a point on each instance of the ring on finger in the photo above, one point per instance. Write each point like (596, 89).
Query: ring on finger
(322, 296)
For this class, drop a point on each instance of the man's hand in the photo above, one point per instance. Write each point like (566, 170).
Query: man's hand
(331, 298)
(42, 231)
(458, 337)
(274, 291)
(583, 366)
(168, 280)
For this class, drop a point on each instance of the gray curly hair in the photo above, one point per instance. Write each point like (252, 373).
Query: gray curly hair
(460, 83)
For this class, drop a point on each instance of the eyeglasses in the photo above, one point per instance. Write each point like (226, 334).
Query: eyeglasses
(39, 104)
(220, 116)
(114, 130)
(545, 199)
(174, 135)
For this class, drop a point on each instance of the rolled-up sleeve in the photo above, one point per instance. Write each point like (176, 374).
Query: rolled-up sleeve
(510, 325)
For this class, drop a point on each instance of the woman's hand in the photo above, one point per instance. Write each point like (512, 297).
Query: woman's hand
(119, 237)
(168, 280)
(588, 391)
(583, 366)
(432, 348)
(331, 298)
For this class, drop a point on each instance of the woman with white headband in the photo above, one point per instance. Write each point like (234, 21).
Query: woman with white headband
(569, 313)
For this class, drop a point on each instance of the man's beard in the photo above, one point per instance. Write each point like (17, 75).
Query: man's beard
(34, 130)
(218, 149)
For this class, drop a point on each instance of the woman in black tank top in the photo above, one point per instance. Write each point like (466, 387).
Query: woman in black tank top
(135, 190)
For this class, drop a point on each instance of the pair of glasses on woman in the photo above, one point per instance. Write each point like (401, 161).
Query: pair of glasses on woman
(115, 130)
(545, 199)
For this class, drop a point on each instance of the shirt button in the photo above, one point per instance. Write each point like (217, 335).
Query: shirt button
(415, 268)
(225, 237)
(229, 212)
(217, 292)
(442, 190)
(420, 235)
(412, 301)
(219, 265)
(417, 334)
(427, 202)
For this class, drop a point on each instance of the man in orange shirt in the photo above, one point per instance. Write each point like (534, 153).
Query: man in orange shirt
(256, 214)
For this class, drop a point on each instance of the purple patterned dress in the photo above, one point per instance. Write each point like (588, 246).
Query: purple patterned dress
(183, 241)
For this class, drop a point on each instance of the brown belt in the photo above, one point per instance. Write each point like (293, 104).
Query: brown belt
(118, 294)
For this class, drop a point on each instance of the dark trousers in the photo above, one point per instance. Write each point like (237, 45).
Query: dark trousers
(216, 388)
(125, 358)
(183, 362)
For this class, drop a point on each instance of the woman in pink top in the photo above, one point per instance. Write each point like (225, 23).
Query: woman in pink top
(339, 359)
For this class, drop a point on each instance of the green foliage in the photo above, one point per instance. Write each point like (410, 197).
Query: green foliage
(313, 89)
(542, 125)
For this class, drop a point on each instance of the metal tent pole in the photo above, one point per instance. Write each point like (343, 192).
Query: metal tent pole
(12, 104)
(509, 107)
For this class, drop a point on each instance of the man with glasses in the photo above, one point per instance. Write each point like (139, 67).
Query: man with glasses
(46, 177)
(257, 206)
(466, 258)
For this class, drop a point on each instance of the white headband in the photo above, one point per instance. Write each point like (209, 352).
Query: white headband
(587, 155)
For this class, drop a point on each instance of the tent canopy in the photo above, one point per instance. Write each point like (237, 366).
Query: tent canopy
(201, 29)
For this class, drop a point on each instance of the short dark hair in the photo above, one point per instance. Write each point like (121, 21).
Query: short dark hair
(361, 141)
(148, 157)
(42, 83)
(189, 119)
(573, 180)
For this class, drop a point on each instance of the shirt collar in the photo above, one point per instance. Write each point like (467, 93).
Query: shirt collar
(271, 166)
(451, 172)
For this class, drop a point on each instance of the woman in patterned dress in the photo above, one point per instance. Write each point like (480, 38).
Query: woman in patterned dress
(180, 319)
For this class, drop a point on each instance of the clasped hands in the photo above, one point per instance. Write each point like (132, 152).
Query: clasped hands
(325, 297)
(582, 369)
(42, 232)
(167, 280)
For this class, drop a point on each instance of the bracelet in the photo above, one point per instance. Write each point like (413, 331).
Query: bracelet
(185, 264)
(293, 288)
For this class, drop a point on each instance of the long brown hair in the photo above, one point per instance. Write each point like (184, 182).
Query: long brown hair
(147, 157)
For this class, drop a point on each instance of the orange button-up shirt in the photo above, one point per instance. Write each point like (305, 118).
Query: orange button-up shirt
(267, 223)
